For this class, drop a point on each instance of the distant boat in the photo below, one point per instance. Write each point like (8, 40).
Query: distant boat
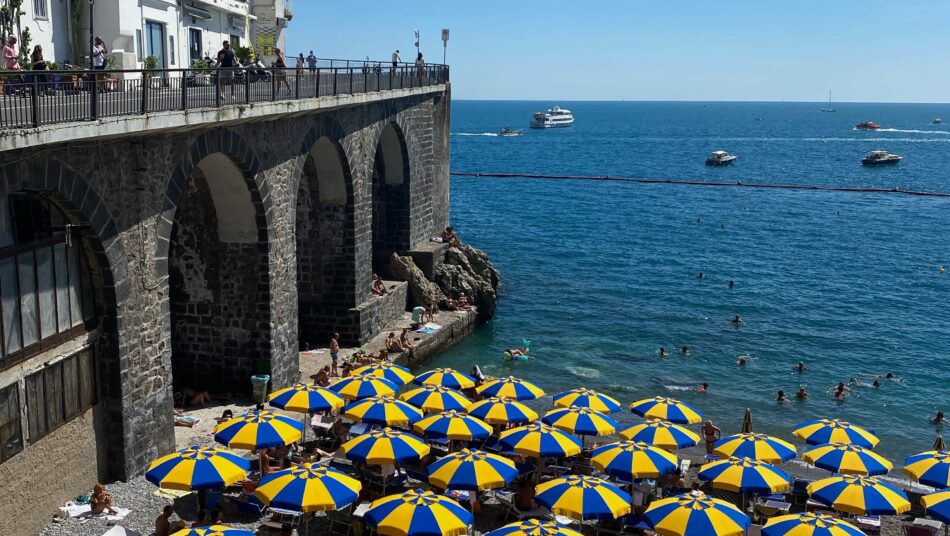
(875, 158)
(511, 132)
(937, 121)
(720, 158)
(830, 107)
(556, 117)
(867, 125)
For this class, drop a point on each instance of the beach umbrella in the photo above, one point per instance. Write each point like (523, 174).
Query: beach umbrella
(496, 410)
(695, 514)
(540, 440)
(382, 410)
(472, 470)
(308, 487)
(583, 497)
(445, 377)
(384, 446)
(846, 459)
(667, 409)
(258, 429)
(937, 505)
(196, 468)
(759, 447)
(454, 426)
(305, 398)
(436, 399)
(359, 386)
(745, 476)
(663, 434)
(580, 421)
(418, 513)
(822, 431)
(390, 371)
(587, 398)
(534, 527)
(213, 530)
(929, 468)
(859, 495)
(809, 524)
(633, 460)
(512, 388)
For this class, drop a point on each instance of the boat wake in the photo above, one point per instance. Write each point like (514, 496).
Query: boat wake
(909, 131)
(491, 134)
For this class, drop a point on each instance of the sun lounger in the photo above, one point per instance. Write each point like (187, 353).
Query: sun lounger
(511, 510)
(249, 504)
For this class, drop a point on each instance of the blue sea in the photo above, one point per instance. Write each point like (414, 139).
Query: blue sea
(599, 275)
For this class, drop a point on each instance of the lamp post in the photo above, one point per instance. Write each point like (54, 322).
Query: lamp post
(417, 41)
(92, 36)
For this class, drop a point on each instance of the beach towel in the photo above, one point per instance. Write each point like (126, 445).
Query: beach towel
(429, 328)
(171, 493)
(72, 509)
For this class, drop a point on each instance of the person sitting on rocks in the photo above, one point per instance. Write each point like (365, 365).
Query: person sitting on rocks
(449, 237)
(347, 369)
(379, 287)
(406, 344)
(322, 377)
(463, 303)
(392, 345)
(101, 501)
(450, 304)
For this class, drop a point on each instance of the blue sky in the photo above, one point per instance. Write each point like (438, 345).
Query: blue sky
(862, 50)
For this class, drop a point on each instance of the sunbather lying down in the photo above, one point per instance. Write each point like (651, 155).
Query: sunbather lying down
(194, 398)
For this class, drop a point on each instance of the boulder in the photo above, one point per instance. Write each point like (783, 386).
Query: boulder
(467, 270)
(404, 269)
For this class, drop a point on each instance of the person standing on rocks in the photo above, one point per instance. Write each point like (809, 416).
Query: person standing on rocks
(334, 353)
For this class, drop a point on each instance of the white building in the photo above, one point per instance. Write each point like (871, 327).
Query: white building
(51, 27)
(269, 25)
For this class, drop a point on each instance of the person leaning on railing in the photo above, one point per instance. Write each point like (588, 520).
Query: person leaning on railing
(12, 84)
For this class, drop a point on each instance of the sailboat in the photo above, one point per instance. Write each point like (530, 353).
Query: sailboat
(830, 108)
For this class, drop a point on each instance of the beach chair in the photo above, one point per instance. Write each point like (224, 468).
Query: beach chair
(511, 510)
(250, 504)
(279, 517)
(919, 527)
(340, 523)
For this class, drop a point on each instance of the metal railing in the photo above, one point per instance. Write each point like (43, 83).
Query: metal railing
(29, 99)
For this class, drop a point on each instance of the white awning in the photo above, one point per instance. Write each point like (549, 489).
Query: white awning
(197, 12)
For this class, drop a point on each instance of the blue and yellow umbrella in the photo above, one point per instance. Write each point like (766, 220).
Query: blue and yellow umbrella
(196, 468)
(929, 468)
(847, 459)
(436, 399)
(382, 410)
(809, 524)
(583, 497)
(511, 388)
(258, 429)
(695, 514)
(445, 377)
(308, 488)
(472, 470)
(305, 398)
(663, 434)
(633, 460)
(418, 513)
(746, 476)
(587, 398)
(496, 410)
(580, 421)
(667, 409)
(938, 505)
(390, 371)
(214, 530)
(822, 431)
(385, 446)
(540, 440)
(859, 495)
(534, 527)
(359, 386)
(453, 425)
(761, 447)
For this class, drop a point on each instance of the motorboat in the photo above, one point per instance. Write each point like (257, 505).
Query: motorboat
(875, 158)
(511, 132)
(937, 121)
(556, 117)
(867, 125)
(720, 158)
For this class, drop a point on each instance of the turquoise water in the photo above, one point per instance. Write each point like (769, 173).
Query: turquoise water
(598, 276)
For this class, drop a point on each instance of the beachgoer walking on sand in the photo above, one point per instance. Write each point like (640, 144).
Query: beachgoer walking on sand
(711, 433)
(334, 352)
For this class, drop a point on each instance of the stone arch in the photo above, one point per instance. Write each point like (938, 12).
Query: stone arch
(213, 244)
(97, 232)
(390, 195)
(325, 220)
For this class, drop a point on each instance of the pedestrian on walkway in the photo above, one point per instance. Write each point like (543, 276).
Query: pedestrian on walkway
(280, 70)
(312, 62)
(11, 84)
(226, 65)
(99, 54)
(396, 60)
(421, 69)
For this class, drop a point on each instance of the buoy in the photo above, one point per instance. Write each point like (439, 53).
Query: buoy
(941, 269)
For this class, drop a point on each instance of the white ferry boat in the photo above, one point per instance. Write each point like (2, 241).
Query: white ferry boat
(556, 117)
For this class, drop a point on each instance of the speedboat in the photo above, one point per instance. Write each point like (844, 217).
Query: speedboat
(720, 158)
(556, 117)
(867, 125)
(937, 121)
(511, 132)
(875, 158)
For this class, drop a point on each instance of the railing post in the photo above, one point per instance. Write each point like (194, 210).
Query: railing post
(94, 104)
(247, 87)
(183, 80)
(334, 82)
(146, 82)
(351, 79)
(34, 100)
(218, 88)
(273, 85)
(316, 90)
(297, 74)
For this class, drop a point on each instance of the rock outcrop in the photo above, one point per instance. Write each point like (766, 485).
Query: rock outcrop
(468, 270)
(404, 269)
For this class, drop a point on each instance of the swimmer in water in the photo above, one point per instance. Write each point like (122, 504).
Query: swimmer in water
(941, 269)
(662, 351)
(700, 275)
(781, 398)
(741, 361)
(704, 387)
(737, 320)
(732, 283)
(722, 225)
(939, 419)
(801, 394)
(699, 220)
(800, 367)
(684, 350)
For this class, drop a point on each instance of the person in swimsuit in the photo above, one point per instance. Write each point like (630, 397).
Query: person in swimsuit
(737, 320)
(101, 500)
(704, 387)
(711, 433)
(781, 398)
(801, 394)
(662, 351)
(334, 353)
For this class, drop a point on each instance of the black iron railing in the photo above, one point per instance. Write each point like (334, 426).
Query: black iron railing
(34, 98)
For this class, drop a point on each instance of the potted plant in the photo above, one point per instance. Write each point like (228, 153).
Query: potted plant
(151, 65)
(201, 72)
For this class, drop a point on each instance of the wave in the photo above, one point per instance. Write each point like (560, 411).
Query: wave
(583, 372)
(492, 134)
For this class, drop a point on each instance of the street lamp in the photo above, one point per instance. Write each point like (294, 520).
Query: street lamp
(417, 39)
(92, 37)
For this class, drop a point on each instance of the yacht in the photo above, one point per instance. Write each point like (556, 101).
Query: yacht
(937, 121)
(511, 132)
(867, 125)
(830, 107)
(875, 158)
(720, 158)
(556, 117)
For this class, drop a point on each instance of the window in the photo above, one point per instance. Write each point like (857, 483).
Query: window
(11, 433)
(139, 48)
(194, 44)
(59, 393)
(40, 9)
